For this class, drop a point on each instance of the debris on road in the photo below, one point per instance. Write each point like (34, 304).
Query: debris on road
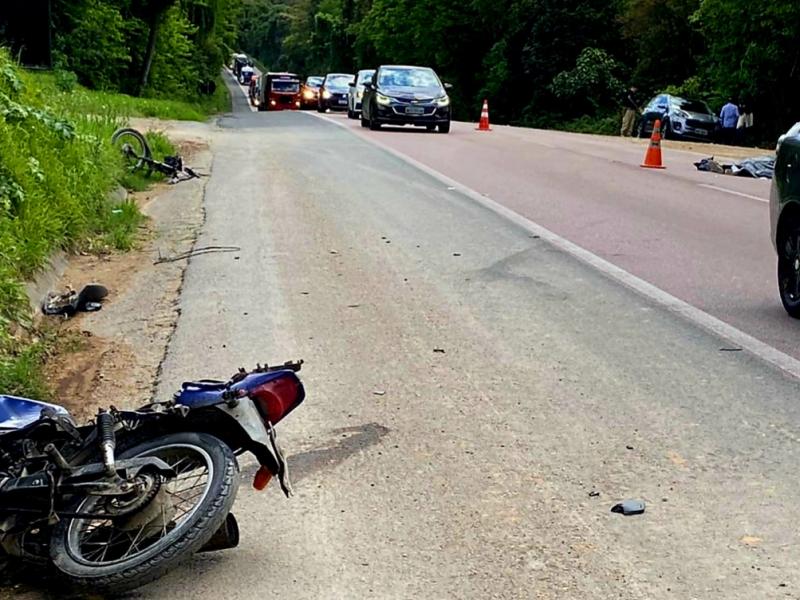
(730, 349)
(629, 507)
(195, 252)
(440, 350)
(68, 303)
(594, 494)
(379, 392)
(756, 167)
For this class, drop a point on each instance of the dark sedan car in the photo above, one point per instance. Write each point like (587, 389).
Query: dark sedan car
(680, 118)
(402, 95)
(784, 212)
(333, 92)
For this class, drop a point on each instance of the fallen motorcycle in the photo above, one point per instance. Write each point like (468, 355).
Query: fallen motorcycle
(117, 503)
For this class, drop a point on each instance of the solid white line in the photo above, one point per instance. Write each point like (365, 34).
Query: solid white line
(735, 193)
(701, 318)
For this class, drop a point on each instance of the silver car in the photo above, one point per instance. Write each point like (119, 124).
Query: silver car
(356, 92)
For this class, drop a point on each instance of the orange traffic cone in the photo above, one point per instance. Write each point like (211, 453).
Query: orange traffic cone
(652, 158)
(484, 122)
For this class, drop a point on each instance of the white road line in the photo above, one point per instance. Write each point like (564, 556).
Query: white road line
(765, 352)
(735, 193)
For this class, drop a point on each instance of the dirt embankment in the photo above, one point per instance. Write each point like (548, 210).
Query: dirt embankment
(113, 356)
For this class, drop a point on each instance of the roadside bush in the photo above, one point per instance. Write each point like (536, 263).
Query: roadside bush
(56, 170)
(65, 81)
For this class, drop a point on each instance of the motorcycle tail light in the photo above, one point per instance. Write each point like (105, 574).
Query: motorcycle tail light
(277, 398)
(262, 478)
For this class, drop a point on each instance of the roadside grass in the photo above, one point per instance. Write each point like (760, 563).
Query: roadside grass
(79, 100)
(57, 168)
(23, 373)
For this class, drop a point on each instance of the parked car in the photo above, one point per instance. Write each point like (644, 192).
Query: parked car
(406, 95)
(784, 212)
(356, 92)
(333, 92)
(680, 118)
(279, 91)
(309, 93)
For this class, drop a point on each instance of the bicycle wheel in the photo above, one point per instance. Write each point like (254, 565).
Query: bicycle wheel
(134, 148)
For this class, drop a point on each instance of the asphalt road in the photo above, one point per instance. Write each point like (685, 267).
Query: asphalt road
(477, 398)
(701, 237)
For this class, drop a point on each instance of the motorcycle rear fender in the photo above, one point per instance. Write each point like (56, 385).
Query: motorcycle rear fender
(251, 434)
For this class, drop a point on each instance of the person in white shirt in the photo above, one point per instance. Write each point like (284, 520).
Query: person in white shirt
(744, 125)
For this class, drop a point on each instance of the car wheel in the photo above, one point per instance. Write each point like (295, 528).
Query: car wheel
(320, 108)
(364, 122)
(350, 114)
(789, 271)
(444, 127)
(374, 124)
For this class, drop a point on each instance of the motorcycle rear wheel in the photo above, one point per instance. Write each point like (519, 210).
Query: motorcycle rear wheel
(114, 555)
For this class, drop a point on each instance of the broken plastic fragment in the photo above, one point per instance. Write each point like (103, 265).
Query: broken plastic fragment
(629, 507)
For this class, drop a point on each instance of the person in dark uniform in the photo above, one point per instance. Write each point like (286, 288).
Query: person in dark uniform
(630, 111)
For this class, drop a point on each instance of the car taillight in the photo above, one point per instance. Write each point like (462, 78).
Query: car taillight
(277, 398)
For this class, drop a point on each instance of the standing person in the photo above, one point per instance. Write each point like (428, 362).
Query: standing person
(744, 125)
(630, 110)
(729, 115)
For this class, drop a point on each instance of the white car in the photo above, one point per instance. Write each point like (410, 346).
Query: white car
(356, 92)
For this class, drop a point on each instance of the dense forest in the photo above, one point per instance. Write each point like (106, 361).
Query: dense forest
(160, 48)
(550, 63)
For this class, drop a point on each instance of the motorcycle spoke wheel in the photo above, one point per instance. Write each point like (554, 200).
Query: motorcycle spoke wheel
(105, 541)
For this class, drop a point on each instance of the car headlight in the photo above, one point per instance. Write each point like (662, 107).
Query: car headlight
(308, 94)
(381, 99)
(443, 101)
(681, 114)
(359, 94)
(326, 94)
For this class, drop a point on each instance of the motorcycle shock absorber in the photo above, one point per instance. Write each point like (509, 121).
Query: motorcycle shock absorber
(108, 443)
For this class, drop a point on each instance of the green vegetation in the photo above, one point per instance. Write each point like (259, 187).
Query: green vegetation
(550, 63)
(170, 49)
(57, 167)
(113, 60)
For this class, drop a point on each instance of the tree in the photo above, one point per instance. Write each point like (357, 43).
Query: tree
(153, 13)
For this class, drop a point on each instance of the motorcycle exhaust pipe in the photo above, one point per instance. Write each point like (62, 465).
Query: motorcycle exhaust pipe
(227, 536)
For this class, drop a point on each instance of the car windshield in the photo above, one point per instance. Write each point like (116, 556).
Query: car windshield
(314, 82)
(691, 105)
(287, 85)
(338, 81)
(365, 76)
(422, 78)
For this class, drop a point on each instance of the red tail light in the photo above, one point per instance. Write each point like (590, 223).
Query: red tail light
(277, 398)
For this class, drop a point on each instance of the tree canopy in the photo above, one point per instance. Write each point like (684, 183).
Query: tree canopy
(543, 62)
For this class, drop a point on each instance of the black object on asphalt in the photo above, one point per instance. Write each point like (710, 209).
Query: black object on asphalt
(629, 507)
(70, 302)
